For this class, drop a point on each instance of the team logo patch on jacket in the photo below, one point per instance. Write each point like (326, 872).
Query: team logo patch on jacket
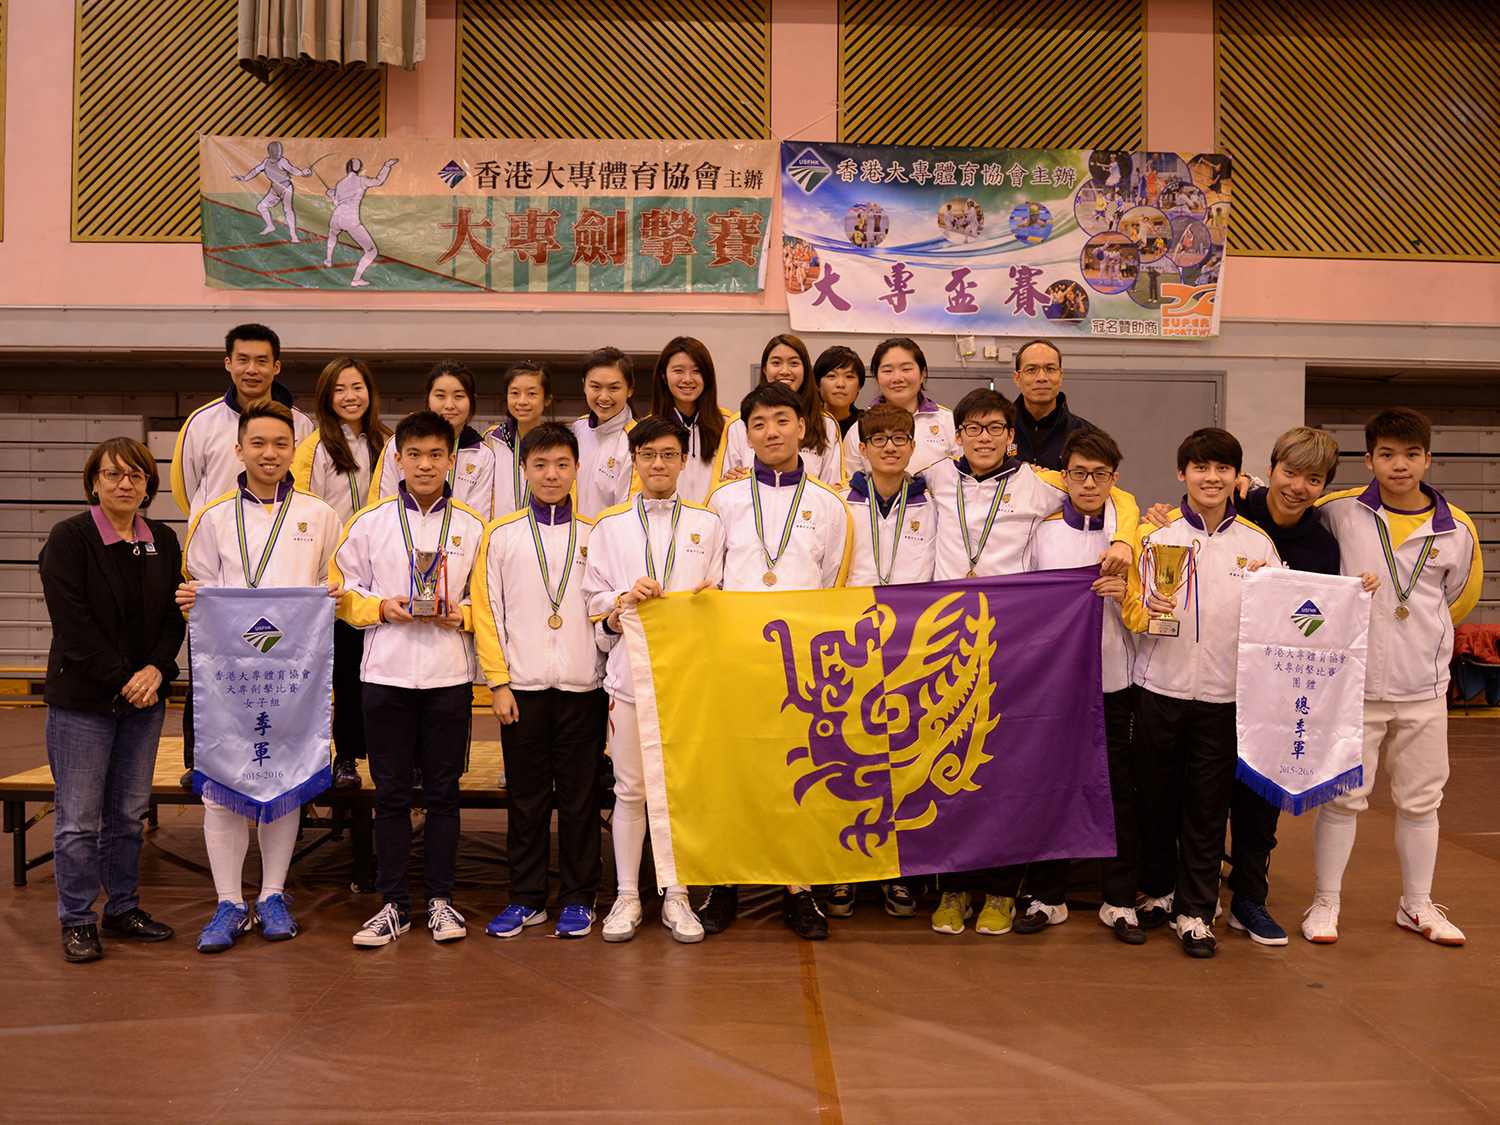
(693, 536)
(301, 525)
(468, 466)
(1241, 561)
(916, 525)
(932, 430)
(458, 540)
(807, 513)
(610, 464)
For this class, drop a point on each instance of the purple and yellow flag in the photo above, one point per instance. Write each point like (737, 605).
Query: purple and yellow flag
(862, 733)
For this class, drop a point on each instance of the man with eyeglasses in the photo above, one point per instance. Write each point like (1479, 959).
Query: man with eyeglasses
(1043, 421)
(652, 546)
(894, 530)
(990, 505)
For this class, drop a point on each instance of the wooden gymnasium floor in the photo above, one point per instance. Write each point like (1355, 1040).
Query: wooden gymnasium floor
(884, 1022)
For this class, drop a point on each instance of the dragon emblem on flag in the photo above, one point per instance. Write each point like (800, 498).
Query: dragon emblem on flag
(893, 718)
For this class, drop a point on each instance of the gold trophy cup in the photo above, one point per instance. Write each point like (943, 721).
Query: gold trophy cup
(1169, 571)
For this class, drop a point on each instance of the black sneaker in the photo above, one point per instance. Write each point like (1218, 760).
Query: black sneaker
(136, 925)
(800, 911)
(81, 943)
(720, 908)
(346, 775)
(186, 780)
(1152, 913)
(1197, 939)
(899, 901)
(841, 900)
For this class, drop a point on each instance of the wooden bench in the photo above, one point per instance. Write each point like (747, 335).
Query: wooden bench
(348, 808)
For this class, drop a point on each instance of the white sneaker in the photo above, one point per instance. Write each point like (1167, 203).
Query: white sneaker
(677, 915)
(382, 929)
(1429, 920)
(445, 923)
(624, 917)
(1320, 921)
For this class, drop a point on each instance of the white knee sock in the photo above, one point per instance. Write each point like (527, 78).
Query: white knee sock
(628, 829)
(227, 835)
(1333, 843)
(1417, 845)
(278, 840)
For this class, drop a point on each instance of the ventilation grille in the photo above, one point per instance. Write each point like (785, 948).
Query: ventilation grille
(1013, 74)
(151, 76)
(1363, 129)
(670, 69)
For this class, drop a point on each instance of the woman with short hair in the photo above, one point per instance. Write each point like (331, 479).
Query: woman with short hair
(109, 576)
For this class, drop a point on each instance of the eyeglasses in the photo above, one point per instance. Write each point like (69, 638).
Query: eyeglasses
(974, 429)
(114, 476)
(1033, 370)
(666, 456)
(1078, 476)
(900, 441)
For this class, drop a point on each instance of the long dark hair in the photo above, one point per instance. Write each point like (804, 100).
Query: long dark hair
(808, 394)
(710, 420)
(331, 426)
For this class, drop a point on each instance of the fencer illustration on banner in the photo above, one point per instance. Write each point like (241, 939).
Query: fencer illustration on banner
(477, 215)
(1026, 242)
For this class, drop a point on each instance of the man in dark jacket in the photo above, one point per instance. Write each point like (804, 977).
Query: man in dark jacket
(1043, 421)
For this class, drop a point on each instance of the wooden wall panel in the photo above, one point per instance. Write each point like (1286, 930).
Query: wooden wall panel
(1362, 128)
(149, 77)
(1006, 73)
(674, 69)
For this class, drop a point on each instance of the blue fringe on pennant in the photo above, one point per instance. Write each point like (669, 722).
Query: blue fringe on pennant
(1299, 803)
(262, 812)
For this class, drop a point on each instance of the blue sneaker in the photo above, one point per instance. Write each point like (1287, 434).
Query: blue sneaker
(1252, 918)
(513, 919)
(276, 921)
(575, 921)
(224, 928)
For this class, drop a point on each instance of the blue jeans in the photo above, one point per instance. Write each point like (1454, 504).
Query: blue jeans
(102, 766)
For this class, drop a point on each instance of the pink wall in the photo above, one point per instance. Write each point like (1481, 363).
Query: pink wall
(39, 265)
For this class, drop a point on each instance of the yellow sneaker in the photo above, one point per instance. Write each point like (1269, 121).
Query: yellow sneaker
(996, 915)
(949, 917)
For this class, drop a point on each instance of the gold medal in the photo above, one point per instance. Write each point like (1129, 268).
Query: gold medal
(770, 578)
(971, 574)
(555, 621)
(1402, 613)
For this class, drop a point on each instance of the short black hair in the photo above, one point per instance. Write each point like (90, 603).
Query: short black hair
(1401, 425)
(836, 357)
(984, 401)
(268, 409)
(1031, 344)
(253, 332)
(423, 424)
(547, 436)
(769, 395)
(1094, 444)
(1210, 444)
(654, 428)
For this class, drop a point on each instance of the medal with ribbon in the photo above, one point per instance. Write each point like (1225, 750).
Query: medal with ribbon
(427, 568)
(769, 578)
(265, 555)
(989, 522)
(555, 621)
(885, 576)
(666, 574)
(1402, 592)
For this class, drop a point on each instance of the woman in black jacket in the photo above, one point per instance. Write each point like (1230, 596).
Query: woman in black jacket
(109, 577)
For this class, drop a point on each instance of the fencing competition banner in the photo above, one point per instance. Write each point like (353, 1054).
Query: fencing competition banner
(1022, 242)
(869, 733)
(538, 216)
(1301, 687)
(262, 697)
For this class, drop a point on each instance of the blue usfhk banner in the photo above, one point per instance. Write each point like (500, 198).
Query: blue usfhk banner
(262, 697)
